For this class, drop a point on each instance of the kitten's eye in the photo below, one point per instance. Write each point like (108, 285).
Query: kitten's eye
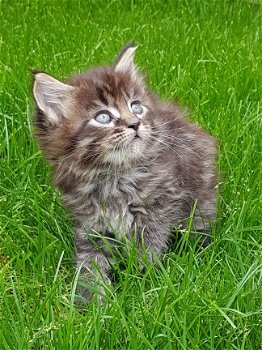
(103, 118)
(136, 107)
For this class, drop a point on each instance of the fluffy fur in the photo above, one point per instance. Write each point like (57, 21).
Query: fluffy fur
(143, 169)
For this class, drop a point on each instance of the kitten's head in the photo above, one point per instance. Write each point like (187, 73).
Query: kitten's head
(101, 116)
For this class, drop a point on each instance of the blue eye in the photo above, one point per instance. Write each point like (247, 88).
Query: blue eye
(103, 118)
(136, 108)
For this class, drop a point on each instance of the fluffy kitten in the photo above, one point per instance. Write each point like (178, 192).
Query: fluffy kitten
(123, 159)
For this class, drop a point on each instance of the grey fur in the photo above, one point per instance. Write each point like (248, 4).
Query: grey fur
(122, 179)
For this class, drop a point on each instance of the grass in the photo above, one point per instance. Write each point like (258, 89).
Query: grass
(207, 54)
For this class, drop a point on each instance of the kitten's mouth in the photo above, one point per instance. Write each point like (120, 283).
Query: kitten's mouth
(136, 139)
(133, 142)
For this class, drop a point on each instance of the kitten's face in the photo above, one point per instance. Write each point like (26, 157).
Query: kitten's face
(101, 116)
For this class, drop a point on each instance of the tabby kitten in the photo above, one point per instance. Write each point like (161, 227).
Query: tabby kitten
(124, 161)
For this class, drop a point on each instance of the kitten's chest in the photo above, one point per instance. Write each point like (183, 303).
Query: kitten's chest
(110, 202)
(118, 197)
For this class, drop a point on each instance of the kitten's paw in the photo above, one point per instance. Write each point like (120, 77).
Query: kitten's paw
(203, 238)
(88, 291)
(83, 297)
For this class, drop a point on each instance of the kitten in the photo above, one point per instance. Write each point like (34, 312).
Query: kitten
(124, 161)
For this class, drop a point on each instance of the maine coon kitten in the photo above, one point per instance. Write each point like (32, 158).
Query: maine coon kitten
(124, 160)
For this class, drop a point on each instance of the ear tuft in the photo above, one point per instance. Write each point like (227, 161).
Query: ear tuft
(125, 60)
(51, 95)
(36, 71)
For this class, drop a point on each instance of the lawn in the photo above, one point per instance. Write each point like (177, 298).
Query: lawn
(207, 55)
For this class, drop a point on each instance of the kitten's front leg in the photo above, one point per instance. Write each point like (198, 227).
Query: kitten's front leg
(94, 261)
(153, 235)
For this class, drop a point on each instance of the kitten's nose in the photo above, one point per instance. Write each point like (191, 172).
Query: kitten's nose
(134, 124)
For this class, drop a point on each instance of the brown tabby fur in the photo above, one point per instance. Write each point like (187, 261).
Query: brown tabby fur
(140, 173)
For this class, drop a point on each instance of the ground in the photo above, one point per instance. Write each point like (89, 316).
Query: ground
(205, 54)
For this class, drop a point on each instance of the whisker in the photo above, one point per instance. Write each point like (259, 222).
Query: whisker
(181, 144)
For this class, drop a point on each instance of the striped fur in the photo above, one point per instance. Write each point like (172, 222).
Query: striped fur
(140, 171)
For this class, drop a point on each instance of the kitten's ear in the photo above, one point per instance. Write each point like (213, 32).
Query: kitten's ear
(125, 60)
(51, 96)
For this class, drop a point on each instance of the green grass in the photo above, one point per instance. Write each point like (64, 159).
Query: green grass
(207, 54)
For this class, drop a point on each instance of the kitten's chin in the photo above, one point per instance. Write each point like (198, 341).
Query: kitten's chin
(136, 146)
(128, 153)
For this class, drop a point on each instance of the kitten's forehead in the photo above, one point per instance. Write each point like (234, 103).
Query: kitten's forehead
(105, 85)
